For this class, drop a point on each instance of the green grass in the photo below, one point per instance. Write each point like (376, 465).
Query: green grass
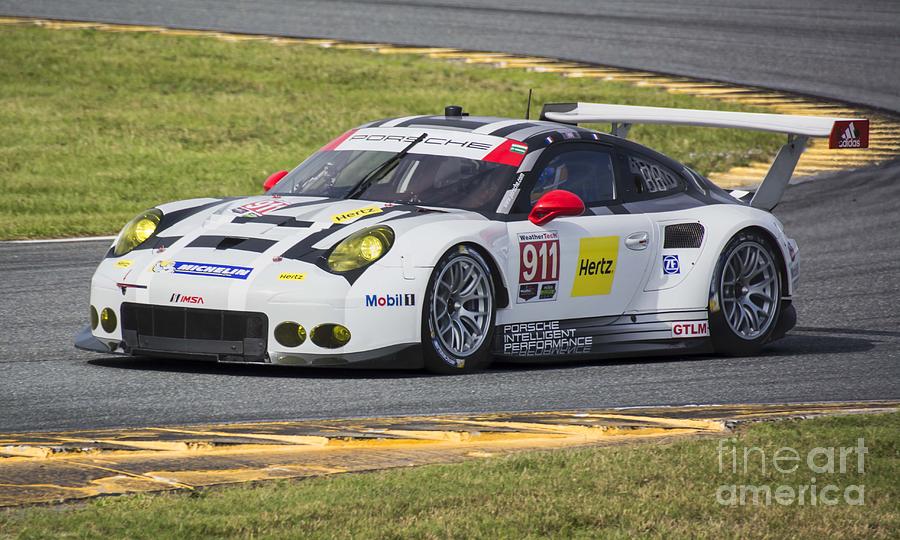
(97, 126)
(650, 490)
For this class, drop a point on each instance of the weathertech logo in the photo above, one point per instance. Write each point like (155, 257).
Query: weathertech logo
(185, 299)
(849, 134)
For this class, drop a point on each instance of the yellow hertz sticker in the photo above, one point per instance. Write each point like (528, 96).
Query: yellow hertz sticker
(354, 214)
(596, 266)
(287, 276)
(123, 264)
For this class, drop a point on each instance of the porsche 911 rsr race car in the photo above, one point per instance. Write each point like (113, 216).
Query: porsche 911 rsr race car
(447, 241)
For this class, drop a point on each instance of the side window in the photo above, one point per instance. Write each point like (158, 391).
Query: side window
(586, 173)
(651, 177)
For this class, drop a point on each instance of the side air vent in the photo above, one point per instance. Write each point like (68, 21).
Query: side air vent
(683, 235)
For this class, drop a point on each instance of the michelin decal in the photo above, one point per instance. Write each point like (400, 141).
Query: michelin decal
(201, 269)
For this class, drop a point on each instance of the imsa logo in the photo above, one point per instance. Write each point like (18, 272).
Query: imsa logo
(390, 300)
(185, 299)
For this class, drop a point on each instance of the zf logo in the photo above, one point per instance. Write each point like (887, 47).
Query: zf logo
(670, 264)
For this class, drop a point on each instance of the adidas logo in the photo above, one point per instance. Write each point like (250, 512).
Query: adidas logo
(849, 138)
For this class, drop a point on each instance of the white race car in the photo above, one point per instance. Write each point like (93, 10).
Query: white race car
(447, 241)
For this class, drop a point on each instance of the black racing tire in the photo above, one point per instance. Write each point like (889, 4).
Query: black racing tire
(466, 317)
(745, 295)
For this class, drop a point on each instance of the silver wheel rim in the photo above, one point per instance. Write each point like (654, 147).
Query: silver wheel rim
(461, 306)
(750, 290)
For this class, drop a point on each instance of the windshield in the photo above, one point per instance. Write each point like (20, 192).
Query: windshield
(429, 180)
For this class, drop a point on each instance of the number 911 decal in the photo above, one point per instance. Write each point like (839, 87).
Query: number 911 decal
(538, 266)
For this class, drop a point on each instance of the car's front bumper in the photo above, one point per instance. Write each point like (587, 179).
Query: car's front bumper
(382, 310)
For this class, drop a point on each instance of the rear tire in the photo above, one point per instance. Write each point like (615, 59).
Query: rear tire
(746, 288)
(458, 314)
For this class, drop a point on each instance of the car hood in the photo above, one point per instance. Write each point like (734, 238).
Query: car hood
(242, 229)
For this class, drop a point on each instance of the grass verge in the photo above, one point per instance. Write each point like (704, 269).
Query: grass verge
(97, 126)
(657, 490)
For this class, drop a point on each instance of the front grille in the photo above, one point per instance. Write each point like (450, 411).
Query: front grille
(683, 235)
(203, 333)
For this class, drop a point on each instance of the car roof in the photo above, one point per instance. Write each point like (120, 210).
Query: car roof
(536, 134)
(531, 132)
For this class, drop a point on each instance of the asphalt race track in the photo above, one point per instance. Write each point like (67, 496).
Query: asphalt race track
(846, 346)
(841, 49)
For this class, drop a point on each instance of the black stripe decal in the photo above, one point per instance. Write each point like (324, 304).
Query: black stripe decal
(265, 220)
(303, 248)
(207, 241)
(256, 245)
(153, 243)
(281, 221)
(504, 131)
(296, 223)
(177, 216)
(443, 121)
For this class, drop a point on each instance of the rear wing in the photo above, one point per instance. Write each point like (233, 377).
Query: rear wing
(841, 132)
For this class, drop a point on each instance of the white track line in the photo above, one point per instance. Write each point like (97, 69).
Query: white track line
(61, 240)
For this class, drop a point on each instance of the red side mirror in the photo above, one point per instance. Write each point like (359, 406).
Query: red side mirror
(273, 179)
(558, 202)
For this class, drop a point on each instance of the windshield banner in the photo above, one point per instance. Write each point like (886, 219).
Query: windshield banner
(439, 142)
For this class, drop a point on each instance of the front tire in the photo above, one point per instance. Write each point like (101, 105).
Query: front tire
(746, 289)
(458, 314)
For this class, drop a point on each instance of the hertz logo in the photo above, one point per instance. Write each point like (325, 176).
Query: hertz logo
(596, 266)
(354, 214)
(593, 268)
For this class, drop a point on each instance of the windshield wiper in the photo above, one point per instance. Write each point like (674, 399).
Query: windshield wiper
(378, 172)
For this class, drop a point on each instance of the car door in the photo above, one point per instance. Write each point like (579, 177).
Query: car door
(576, 267)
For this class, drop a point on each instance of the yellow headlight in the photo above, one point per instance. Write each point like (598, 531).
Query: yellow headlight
(361, 249)
(108, 320)
(137, 231)
(143, 229)
(371, 248)
(290, 334)
(341, 334)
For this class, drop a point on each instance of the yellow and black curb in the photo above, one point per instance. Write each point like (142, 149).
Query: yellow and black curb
(61, 466)
(884, 134)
